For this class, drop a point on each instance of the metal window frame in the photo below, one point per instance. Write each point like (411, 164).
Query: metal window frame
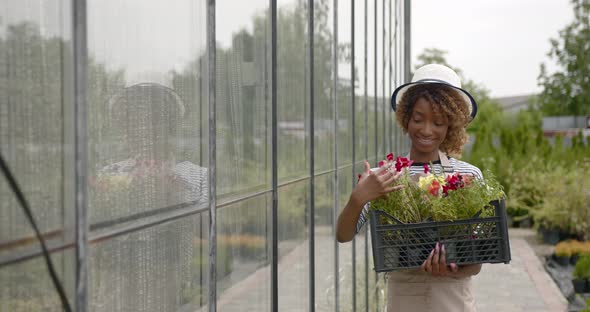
(80, 77)
(336, 189)
(212, 172)
(353, 116)
(274, 272)
(169, 214)
(311, 152)
(366, 100)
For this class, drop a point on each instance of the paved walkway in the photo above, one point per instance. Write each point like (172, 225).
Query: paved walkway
(522, 285)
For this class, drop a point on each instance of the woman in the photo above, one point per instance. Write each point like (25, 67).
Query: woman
(434, 111)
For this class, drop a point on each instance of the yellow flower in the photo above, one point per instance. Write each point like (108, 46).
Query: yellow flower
(424, 182)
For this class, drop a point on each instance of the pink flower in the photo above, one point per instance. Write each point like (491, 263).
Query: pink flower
(390, 157)
(381, 163)
(426, 169)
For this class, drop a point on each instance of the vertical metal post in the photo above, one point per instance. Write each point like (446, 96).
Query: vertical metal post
(79, 11)
(376, 117)
(366, 144)
(390, 82)
(335, 182)
(384, 65)
(407, 40)
(353, 126)
(274, 284)
(376, 95)
(311, 159)
(211, 72)
(397, 64)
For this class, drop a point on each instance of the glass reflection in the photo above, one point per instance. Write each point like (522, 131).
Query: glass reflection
(162, 268)
(243, 98)
(360, 71)
(292, 88)
(361, 268)
(323, 85)
(33, 55)
(147, 109)
(344, 87)
(325, 277)
(26, 286)
(373, 121)
(145, 118)
(379, 67)
(345, 277)
(243, 256)
(294, 235)
(148, 149)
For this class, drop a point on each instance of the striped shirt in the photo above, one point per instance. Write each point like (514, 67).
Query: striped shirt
(418, 168)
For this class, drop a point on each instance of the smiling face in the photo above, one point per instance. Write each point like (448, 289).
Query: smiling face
(435, 118)
(427, 128)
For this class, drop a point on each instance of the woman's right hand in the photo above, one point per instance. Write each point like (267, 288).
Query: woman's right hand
(374, 184)
(371, 185)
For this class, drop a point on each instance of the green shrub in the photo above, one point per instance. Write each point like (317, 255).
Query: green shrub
(566, 200)
(582, 269)
(543, 180)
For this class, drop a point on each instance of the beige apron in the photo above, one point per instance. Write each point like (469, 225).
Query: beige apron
(418, 291)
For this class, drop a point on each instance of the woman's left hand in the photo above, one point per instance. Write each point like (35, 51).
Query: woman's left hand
(436, 263)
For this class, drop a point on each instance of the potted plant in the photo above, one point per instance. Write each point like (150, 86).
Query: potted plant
(459, 212)
(525, 222)
(578, 248)
(562, 253)
(549, 234)
(582, 274)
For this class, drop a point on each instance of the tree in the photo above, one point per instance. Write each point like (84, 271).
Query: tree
(567, 90)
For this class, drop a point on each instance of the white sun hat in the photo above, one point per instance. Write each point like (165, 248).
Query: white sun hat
(439, 75)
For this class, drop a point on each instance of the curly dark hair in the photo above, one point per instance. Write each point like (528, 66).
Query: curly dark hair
(446, 100)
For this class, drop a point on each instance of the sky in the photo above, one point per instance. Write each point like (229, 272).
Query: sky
(499, 43)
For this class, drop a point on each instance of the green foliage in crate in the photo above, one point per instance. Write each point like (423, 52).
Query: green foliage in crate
(415, 203)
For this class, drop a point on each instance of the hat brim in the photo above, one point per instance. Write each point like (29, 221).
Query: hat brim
(401, 90)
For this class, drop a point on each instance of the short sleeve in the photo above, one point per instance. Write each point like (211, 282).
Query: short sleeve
(363, 217)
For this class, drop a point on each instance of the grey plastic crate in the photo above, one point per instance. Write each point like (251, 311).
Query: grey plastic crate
(399, 246)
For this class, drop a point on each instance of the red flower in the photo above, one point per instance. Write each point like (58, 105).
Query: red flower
(455, 181)
(381, 163)
(390, 157)
(402, 162)
(445, 190)
(426, 169)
